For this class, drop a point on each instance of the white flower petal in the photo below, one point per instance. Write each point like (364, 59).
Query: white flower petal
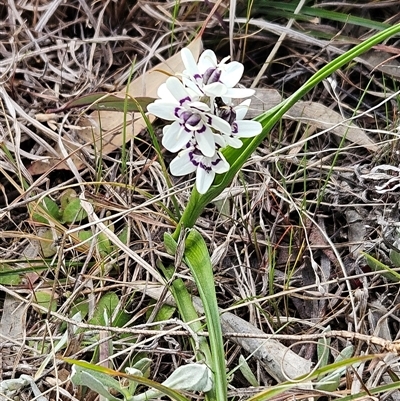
(239, 92)
(179, 92)
(191, 159)
(225, 60)
(219, 124)
(232, 73)
(226, 99)
(234, 142)
(220, 165)
(248, 128)
(162, 110)
(220, 140)
(192, 87)
(164, 93)
(205, 141)
(207, 60)
(241, 109)
(216, 89)
(182, 165)
(204, 179)
(189, 62)
(175, 137)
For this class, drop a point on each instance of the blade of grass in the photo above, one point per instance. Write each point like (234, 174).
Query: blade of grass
(307, 13)
(282, 387)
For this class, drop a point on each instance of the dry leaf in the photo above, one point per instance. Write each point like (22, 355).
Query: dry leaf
(104, 129)
(12, 326)
(322, 117)
(383, 61)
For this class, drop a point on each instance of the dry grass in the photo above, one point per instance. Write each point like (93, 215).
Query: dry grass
(285, 246)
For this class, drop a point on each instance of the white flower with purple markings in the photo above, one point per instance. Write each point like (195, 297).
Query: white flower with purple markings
(191, 160)
(210, 78)
(204, 119)
(240, 128)
(191, 117)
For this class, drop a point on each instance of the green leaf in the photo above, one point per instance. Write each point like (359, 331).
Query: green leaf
(170, 244)
(394, 257)
(74, 212)
(96, 381)
(376, 265)
(46, 300)
(174, 395)
(71, 208)
(85, 235)
(46, 241)
(123, 235)
(80, 305)
(142, 366)
(247, 372)
(121, 319)
(198, 260)
(66, 196)
(46, 208)
(332, 381)
(323, 349)
(165, 312)
(8, 276)
(107, 101)
(192, 377)
(105, 309)
(104, 244)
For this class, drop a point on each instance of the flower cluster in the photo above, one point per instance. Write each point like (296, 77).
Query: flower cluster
(204, 119)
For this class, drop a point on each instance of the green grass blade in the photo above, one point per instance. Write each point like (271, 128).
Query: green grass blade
(384, 389)
(282, 387)
(378, 266)
(287, 9)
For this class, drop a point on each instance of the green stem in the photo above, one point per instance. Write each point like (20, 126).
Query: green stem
(189, 315)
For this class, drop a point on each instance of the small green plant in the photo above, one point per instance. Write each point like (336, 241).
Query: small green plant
(66, 213)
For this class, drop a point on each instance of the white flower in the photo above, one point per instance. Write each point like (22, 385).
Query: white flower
(192, 118)
(210, 78)
(240, 128)
(204, 120)
(192, 160)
